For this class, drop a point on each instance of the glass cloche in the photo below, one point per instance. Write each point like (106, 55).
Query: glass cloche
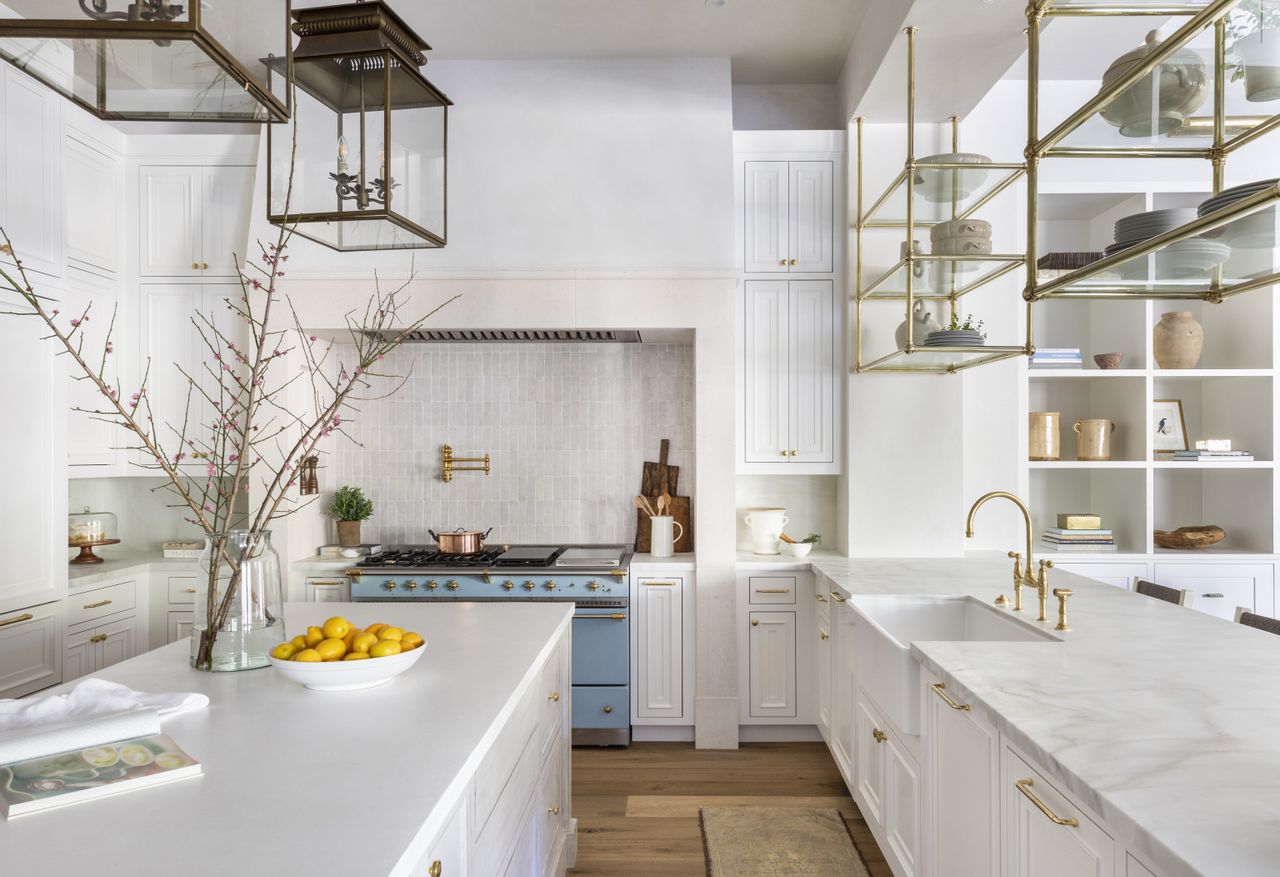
(88, 529)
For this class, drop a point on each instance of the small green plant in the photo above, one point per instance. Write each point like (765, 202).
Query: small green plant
(811, 539)
(967, 325)
(350, 504)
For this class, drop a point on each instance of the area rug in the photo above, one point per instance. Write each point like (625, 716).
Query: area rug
(767, 842)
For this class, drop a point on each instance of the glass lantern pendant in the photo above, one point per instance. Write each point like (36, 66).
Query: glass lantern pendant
(152, 60)
(369, 156)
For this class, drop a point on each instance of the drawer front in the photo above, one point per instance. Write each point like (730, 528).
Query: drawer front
(550, 808)
(497, 772)
(601, 650)
(100, 602)
(772, 589)
(30, 649)
(1038, 844)
(555, 694)
(182, 589)
(494, 840)
(1217, 589)
(449, 848)
(601, 706)
(1120, 575)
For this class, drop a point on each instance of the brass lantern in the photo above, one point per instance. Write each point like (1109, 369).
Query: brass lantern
(369, 169)
(153, 60)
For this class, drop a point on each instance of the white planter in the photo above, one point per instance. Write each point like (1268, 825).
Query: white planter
(1260, 53)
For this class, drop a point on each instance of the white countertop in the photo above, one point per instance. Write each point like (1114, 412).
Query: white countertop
(1161, 718)
(306, 782)
(118, 562)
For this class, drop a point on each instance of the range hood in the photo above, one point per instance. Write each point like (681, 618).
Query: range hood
(539, 336)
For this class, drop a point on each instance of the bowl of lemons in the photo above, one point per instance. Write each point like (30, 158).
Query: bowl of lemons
(338, 656)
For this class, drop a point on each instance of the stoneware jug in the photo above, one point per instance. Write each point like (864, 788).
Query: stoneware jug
(1042, 436)
(766, 529)
(922, 324)
(1093, 439)
(1178, 340)
(665, 532)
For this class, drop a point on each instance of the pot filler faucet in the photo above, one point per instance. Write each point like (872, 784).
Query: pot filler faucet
(1020, 579)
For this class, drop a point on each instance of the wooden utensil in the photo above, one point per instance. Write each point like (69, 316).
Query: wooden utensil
(681, 510)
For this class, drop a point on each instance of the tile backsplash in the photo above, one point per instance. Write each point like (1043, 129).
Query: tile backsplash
(567, 426)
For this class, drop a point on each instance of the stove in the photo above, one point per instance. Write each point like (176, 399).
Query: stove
(594, 578)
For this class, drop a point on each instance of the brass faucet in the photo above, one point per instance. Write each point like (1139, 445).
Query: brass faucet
(1021, 579)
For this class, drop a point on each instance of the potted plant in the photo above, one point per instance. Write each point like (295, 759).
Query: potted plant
(349, 508)
(1254, 35)
(958, 333)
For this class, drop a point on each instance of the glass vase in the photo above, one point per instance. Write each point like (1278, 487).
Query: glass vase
(239, 606)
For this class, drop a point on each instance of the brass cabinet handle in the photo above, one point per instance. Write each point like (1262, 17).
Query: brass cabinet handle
(879, 735)
(554, 696)
(1213, 596)
(204, 266)
(1024, 786)
(795, 261)
(436, 869)
(608, 709)
(25, 616)
(195, 266)
(941, 690)
(773, 590)
(835, 596)
(823, 635)
(188, 590)
(617, 616)
(97, 605)
(782, 261)
(795, 453)
(782, 453)
(656, 583)
(554, 810)
(820, 598)
(755, 622)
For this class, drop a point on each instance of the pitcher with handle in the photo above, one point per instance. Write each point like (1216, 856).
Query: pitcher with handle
(766, 528)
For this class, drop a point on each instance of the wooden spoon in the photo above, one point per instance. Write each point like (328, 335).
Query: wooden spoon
(664, 503)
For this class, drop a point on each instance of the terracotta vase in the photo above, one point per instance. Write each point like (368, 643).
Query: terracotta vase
(1178, 340)
(349, 534)
(1042, 436)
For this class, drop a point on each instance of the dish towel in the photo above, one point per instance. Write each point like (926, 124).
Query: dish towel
(94, 712)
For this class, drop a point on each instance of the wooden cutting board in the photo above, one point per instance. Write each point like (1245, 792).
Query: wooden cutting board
(658, 478)
(681, 510)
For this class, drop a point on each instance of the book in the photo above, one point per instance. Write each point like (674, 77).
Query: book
(1076, 531)
(182, 549)
(1213, 444)
(1073, 546)
(1080, 521)
(63, 778)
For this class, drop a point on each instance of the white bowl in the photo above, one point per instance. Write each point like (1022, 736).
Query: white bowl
(796, 549)
(347, 675)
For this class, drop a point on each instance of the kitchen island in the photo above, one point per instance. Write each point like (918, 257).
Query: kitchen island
(462, 760)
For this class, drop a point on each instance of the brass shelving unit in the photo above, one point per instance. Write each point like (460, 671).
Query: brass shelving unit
(916, 277)
(1106, 278)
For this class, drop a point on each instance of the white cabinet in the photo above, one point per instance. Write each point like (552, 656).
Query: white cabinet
(772, 656)
(660, 647)
(844, 688)
(178, 626)
(192, 219)
(91, 441)
(869, 736)
(823, 657)
(172, 596)
(961, 787)
(447, 854)
(1120, 575)
(30, 649)
(901, 807)
(93, 178)
(1047, 834)
(336, 590)
(91, 648)
(789, 395)
(789, 220)
(31, 198)
(1218, 588)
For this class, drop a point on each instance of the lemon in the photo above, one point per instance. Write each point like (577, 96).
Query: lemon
(395, 633)
(375, 629)
(314, 635)
(299, 643)
(336, 627)
(385, 648)
(331, 649)
(284, 651)
(363, 642)
(356, 656)
(410, 640)
(350, 637)
(308, 656)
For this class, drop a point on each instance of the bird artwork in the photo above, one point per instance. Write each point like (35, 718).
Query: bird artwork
(1162, 428)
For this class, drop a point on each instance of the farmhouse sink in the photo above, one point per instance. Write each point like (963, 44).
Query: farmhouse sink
(886, 626)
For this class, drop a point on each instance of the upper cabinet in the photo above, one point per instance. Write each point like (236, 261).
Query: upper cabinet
(194, 221)
(93, 176)
(789, 216)
(31, 187)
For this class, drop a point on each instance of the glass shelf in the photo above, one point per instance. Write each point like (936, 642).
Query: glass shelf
(943, 191)
(941, 277)
(1125, 7)
(941, 360)
(1184, 263)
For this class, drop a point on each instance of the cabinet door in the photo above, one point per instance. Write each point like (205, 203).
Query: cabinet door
(810, 212)
(169, 213)
(449, 849)
(767, 200)
(823, 655)
(326, 591)
(811, 372)
(1039, 846)
(962, 791)
(843, 689)
(224, 219)
(660, 648)
(30, 650)
(79, 654)
(119, 642)
(773, 664)
(93, 179)
(550, 810)
(179, 626)
(90, 440)
(1218, 588)
(902, 807)
(766, 408)
(869, 739)
(173, 345)
(32, 157)
(1120, 575)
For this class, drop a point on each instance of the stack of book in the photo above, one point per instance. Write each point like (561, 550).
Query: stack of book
(1057, 357)
(1197, 455)
(1077, 532)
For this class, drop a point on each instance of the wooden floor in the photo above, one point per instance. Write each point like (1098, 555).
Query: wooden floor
(637, 808)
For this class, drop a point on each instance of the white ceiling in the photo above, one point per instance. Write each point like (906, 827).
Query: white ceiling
(769, 41)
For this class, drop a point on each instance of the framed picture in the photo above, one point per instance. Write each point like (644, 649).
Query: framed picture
(1168, 427)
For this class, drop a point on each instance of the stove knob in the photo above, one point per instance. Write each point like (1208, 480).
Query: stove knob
(411, 586)
(593, 586)
(432, 585)
(452, 584)
(549, 585)
(389, 585)
(508, 585)
(528, 586)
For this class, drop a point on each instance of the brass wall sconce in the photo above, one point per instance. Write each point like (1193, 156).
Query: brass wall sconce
(447, 467)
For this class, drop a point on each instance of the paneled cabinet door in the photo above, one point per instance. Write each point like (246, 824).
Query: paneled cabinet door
(327, 591)
(173, 350)
(823, 655)
(962, 787)
(93, 179)
(773, 664)
(660, 648)
(902, 807)
(843, 689)
(449, 849)
(78, 654)
(1218, 588)
(90, 440)
(224, 218)
(169, 201)
(766, 226)
(118, 642)
(811, 372)
(766, 403)
(30, 649)
(1039, 845)
(32, 160)
(179, 625)
(810, 216)
(869, 754)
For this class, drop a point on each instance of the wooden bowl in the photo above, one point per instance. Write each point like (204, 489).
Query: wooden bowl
(1190, 537)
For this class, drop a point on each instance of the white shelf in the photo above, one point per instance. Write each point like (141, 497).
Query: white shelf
(1059, 374)
(1178, 373)
(1086, 464)
(1196, 464)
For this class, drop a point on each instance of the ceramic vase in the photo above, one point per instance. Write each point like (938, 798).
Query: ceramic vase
(1093, 439)
(239, 604)
(1260, 52)
(924, 325)
(1178, 340)
(1042, 436)
(766, 529)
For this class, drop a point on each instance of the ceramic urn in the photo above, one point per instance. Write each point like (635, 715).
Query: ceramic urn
(1177, 340)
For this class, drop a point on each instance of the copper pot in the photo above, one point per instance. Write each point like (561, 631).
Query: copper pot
(460, 541)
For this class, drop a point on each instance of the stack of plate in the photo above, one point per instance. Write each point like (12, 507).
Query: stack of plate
(1256, 231)
(954, 338)
(940, 185)
(1184, 260)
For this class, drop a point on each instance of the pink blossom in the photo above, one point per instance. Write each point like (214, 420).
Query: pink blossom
(337, 418)
(178, 457)
(76, 322)
(209, 468)
(110, 348)
(313, 338)
(208, 506)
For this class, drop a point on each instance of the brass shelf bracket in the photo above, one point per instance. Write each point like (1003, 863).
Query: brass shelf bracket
(447, 461)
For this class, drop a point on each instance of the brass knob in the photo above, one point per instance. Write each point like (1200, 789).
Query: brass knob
(554, 810)
(794, 452)
(822, 635)
(755, 622)
(432, 585)
(508, 585)
(436, 869)
(782, 453)
(608, 709)
(1062, 594)
(195, 266)
(554, 697)
(205, 265)
(549, 585)
(780, 262)
(528, 586)
(793, 262)
(879, 735)
(389, 585)
(593, 586)
(411, 586)
(452, 584)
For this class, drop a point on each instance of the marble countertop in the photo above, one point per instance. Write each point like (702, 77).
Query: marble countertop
(307, 782)
(120, 562)
(1161, 718)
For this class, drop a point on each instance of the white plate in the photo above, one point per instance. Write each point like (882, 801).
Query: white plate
(348, 675)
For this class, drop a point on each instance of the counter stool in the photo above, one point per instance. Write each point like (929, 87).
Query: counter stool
(1160, 592)
(1253, 619)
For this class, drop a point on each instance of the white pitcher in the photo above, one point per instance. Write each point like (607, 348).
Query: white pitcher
(766, 528)
(664, 533)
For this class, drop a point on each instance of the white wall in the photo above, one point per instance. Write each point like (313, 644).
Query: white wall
(142, 509)
(588, 165)
(785, 108)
